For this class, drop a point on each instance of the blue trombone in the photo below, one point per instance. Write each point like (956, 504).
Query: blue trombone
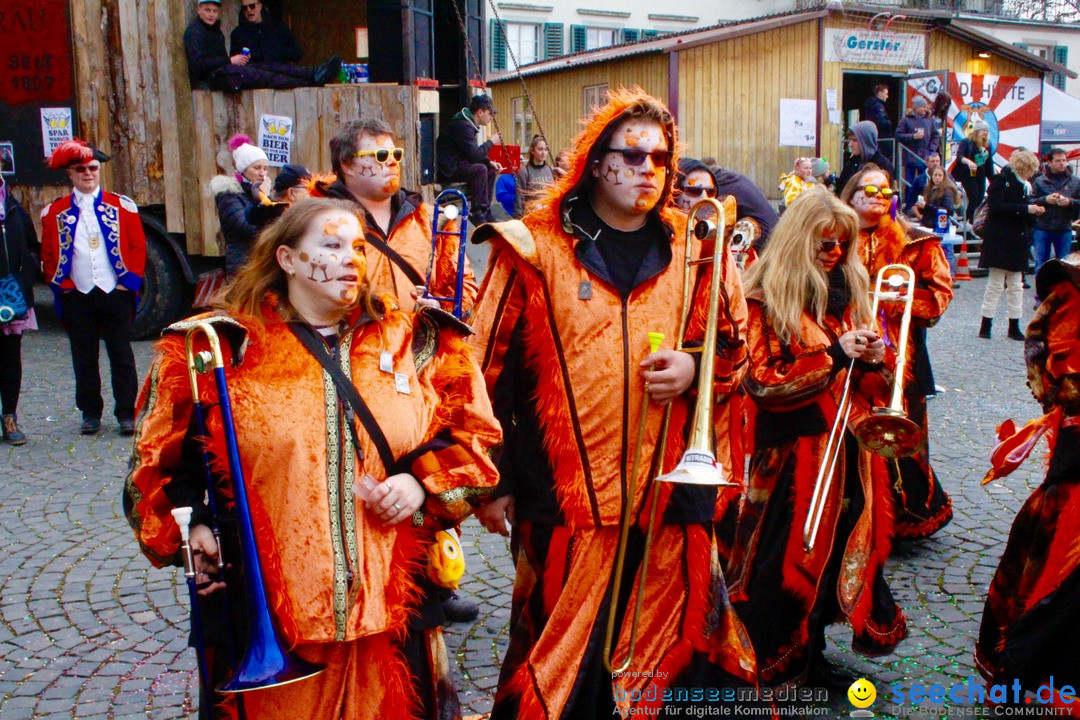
(266, 662)
(452, 213)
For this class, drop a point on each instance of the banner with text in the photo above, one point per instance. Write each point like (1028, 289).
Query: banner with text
(1011, 106)
(275, 138)
(875, 48)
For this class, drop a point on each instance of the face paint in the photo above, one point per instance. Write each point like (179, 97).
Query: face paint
(625, 190)
(870, 209)
(367, 178)
(329, 263)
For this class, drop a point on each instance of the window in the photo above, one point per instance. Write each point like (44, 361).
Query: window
(524, 41)
(595, 96)
(599, 37)
(523, 122)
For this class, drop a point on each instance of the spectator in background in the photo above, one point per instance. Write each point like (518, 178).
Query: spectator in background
(534, 175)
(974, 166)
(749, 198)
(243, 203)
(823, 174)
(267, 37)
(17, 241)
(290, 184)
(93, 253)
(792, 184)
(863, 144)
(916, 133)
(562, 164)
(693, 182)
(1058, 190)
(211, 66)
(940, 193)
(874, 111)
(462, 159)
(1005, 241)
(918, 185)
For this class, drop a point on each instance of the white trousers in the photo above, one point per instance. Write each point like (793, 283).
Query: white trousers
(1014, 299)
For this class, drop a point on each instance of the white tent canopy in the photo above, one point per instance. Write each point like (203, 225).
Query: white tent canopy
(1060, 117)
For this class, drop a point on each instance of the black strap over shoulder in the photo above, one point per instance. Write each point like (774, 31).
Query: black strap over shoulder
(395, 257)
(346, 390)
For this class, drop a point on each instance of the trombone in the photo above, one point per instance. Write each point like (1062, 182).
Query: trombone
(266, 662)
(887, 431)
(451, 213)
(698, 465)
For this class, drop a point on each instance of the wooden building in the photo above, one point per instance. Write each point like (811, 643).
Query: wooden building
(726, 83)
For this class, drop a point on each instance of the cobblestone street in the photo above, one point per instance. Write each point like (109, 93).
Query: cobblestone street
(89, 630)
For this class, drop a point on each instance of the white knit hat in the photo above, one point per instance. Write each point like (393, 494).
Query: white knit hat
(245, 155)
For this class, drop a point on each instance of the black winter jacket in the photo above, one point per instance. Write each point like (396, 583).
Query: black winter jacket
(750, 201)
(20, 239)
(854, 163)
(874, 110)
(242, 217)
(269, 41)
(205, 48)
(1056, 217)
(1006, 241)
(457, 143)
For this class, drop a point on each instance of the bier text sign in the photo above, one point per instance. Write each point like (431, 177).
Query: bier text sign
(275, 138)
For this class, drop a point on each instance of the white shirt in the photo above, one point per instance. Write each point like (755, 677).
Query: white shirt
(90, 266)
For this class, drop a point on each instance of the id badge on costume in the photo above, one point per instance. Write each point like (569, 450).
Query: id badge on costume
(401, 382)
(386, 361)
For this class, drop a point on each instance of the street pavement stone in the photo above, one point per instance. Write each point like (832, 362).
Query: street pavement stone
(88, 629)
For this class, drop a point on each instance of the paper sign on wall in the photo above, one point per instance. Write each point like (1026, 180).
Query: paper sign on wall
(275, 138)
(798, 122)
(55, 128)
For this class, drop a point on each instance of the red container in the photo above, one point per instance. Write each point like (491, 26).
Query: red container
(509, 156)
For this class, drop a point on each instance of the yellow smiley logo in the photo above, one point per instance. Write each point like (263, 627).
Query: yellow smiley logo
(862, 693)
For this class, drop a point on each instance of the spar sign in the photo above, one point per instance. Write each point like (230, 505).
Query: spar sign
(1011, 106)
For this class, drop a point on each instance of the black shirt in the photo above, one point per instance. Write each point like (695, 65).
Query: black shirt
(621, 252)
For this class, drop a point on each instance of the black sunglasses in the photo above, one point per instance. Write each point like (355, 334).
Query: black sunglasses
(382, 155)
(634, 157)
(830, 245)
(252, 6)
(697, 192)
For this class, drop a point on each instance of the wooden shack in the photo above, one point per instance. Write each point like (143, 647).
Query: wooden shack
(728, 84)
(119, 67)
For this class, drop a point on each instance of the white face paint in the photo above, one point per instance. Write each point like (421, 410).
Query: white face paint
(326, 269)
(870, 209)
(369, 179)
(625, 190)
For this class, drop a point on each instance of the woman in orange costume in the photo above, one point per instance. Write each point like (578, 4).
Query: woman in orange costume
(808, 313)
(571, 293)
(923, 507)
(1029, 629)
(344, 576)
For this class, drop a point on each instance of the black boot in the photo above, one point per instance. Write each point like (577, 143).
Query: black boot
(1014, 329)
(984, 331)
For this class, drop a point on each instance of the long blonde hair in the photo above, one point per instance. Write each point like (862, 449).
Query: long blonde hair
(262, 275)
(787, 275)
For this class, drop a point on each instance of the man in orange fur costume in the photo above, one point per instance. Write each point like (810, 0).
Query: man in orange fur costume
(922, 506)
(561, 331)
(397, 222)
(1029, 629)
(346, 493)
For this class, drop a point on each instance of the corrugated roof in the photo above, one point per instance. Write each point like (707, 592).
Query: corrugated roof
(941, 20)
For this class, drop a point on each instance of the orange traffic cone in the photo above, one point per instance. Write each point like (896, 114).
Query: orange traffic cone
(961, 261)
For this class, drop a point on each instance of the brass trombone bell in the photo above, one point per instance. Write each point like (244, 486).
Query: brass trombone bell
(888, 431)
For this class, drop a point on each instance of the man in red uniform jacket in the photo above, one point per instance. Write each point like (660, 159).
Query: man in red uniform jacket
(93, 252)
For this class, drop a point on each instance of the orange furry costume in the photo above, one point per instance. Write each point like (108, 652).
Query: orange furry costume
(344, 586)
(560, 348)
(923, 507)
(784, 594)
(410, 237)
